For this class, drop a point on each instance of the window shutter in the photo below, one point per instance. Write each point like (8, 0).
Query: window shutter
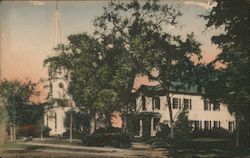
(179, 103)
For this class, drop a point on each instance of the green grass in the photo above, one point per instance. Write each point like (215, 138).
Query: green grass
(11, 145)
(202, 147)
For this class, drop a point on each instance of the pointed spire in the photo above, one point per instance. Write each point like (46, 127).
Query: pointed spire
(57, 28)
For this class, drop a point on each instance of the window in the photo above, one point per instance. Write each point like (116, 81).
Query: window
(155, 123)
(175, 103)
(61, 94)
(187, 103)
(60, 85)
(196, 125)
(230, 126)
(216, 124)
(216, 107)
(207, 105)
(143, 103)
(207, 125)
(155, 103)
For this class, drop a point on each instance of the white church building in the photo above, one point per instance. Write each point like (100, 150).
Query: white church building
(54, 115)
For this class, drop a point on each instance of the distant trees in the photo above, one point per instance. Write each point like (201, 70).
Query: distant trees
(230, 85)
(16, 100)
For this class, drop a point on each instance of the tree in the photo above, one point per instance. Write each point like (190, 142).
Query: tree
(140, 29)
(182, 128)
(16, 99)
(232, 87)
(80, 121)
(89, 73)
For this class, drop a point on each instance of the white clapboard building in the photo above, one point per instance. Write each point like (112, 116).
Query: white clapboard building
(151, 109)
(58, 89)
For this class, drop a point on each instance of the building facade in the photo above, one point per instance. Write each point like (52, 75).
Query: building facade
(61, 103)
(151, 109)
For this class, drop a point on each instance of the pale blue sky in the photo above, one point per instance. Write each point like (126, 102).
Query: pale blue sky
(27, 31)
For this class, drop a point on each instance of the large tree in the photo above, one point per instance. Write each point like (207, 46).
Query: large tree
(16, 99)
(141, 27)
(231, 83)
(90, 75)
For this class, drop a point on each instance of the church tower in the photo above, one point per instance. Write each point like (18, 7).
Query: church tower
(58, 87)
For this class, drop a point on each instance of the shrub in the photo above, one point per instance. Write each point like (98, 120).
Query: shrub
(182, 129)
(164, 131)
(29, 130)
(213, 133)
(121, 140)
(46, 131)
(76, 134)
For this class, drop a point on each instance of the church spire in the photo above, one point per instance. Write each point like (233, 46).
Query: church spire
(57, 39)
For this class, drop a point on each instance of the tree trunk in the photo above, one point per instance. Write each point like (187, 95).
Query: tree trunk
(170, 116)
(92, 123)
(42, 127)
(11, 132)
(14, 131)
(237, 142)
(71, 127)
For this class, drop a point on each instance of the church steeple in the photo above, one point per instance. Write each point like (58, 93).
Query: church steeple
(57, 38)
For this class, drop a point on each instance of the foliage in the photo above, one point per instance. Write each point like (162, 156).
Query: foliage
(140, 29)
(46, 131)
(29, 130)
(231, 82)
(182, 128)
(81, 121)
(120, 140)
(164, 131)
(213, 133)
(129, 40)
(16, 99)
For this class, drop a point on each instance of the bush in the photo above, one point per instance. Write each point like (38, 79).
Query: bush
(76, 134)
(109, 129)
(164, 131)
(46, 131)
(182, 129)
(121, 140)
(29, 130)
(213, 133)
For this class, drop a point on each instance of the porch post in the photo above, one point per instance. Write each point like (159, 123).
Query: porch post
(141, 127)
(152, 126)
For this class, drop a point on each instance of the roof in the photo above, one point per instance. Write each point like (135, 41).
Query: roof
(175, 87)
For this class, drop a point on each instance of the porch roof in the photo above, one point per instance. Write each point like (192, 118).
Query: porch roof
(147, 114)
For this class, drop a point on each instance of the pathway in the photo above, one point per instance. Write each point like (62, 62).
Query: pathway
(138, 150)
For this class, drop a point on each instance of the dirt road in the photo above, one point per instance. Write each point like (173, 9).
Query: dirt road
(39, 150)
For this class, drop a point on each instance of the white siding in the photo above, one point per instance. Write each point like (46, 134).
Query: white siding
(197, 112)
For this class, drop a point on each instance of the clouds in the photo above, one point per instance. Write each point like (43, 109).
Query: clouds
(208, 5)
(37, 3)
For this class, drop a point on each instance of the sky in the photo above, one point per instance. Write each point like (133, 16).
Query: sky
(27, 29)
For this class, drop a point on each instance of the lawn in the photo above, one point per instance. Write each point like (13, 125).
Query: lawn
(203, 147)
